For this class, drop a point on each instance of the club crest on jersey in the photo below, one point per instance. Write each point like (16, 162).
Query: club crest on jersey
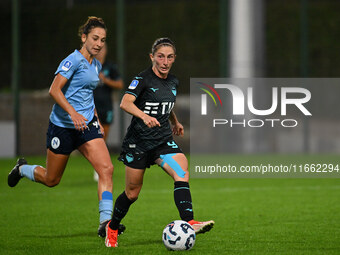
(129, 157)
(55, 143)
(133, 84)
(174, 91)
(66, 66)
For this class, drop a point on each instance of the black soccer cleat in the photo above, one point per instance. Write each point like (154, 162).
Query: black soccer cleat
(102, 231)
(14, 176)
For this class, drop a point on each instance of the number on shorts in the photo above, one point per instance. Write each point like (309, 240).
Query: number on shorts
(173, 145)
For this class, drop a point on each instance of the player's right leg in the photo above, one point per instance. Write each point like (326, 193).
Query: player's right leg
(49, 176)
(105, 135)
(55, 166)
(15, 175)
(133, 185)
(103, 117)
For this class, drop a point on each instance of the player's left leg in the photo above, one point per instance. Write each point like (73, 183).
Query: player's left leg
(176, 165)
(133, 185)
(96, 152)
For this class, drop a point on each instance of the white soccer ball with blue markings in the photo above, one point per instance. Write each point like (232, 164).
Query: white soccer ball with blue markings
(179, 235)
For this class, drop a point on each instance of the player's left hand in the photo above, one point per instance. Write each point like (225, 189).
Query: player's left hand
(178, 129)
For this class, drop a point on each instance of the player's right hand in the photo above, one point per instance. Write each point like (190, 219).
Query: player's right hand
(79, 121)
(150, 121)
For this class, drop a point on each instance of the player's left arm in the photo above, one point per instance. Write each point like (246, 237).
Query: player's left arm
(177, 128)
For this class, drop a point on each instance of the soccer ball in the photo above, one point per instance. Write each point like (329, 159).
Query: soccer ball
(179, 235)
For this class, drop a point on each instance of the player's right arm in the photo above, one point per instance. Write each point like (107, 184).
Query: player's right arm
(56, 93)
(127, 104)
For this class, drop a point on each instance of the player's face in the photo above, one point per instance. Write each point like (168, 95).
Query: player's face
(94, 41)
(162, 61)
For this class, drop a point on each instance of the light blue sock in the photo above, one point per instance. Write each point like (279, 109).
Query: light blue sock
(105, 206)
(28, 171)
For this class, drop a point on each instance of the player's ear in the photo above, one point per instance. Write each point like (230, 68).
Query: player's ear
(151, 57)
(83, 38)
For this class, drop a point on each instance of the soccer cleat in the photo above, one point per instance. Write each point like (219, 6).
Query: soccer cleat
(111, 236)
(201, 227)
(102, 231)
(14, 176)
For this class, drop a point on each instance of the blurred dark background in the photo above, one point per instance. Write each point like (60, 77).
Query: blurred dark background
(48, 33)
(298, 38)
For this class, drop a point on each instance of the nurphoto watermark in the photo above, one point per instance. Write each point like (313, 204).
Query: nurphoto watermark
(252, 117)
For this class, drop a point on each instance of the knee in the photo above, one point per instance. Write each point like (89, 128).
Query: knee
(52, 182)
(183, 177)
(132, 195)
(106, 171)
(186, 176)
(133, 198)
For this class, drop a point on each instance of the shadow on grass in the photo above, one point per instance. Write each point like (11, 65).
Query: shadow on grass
(142, 242)
(47, 236)
(93, 235)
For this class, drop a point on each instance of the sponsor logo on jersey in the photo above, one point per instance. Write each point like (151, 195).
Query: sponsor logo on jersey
(55, 143)
(133, 84)
(83, 64)
(154, 90)
(153, 107)
(66, 66)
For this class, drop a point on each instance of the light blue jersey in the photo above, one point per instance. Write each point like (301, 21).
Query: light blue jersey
(82, 80)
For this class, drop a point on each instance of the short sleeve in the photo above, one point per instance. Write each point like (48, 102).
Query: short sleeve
(67, 67)
(136, 86)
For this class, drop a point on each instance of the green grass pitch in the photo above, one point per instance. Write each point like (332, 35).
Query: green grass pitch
(253, 216)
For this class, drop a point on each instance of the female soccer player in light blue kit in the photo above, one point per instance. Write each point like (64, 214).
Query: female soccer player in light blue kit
(74, 123)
